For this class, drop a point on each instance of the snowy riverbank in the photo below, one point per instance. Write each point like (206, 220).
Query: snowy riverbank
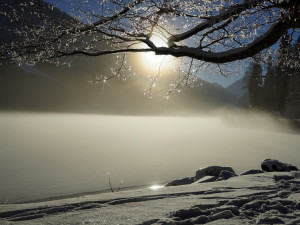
(268, 198)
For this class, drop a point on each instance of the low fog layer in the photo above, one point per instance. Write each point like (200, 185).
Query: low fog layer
(45, 155)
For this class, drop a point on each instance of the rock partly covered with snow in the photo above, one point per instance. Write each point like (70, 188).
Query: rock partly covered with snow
(273, 165)
(207, 174)
(206, 179)
(212, 171)
(252, 171)
(182, 181)
(225, 175)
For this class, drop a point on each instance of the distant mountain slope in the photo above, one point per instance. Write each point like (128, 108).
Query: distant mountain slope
(238, 88)
(211, 93)
(69, 91)
(18, 16)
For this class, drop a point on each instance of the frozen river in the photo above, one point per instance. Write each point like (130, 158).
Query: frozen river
(46, 155)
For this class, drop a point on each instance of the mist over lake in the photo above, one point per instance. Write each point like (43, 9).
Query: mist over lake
(44, 155)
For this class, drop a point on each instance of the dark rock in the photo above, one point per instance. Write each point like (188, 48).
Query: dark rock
(183, 181)
(211, 171)
(273, 165)
(225, 175)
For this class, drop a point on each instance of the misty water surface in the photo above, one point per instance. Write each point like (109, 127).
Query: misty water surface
(44, 155)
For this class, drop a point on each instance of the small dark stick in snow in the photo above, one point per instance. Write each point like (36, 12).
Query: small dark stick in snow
(112, 190)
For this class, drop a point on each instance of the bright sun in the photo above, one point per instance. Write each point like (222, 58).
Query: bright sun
(155, 63)
(150, 57)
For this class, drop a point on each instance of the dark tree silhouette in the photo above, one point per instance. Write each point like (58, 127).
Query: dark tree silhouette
(269, 90)
(283, 71)
(279, 86)
(255, 84)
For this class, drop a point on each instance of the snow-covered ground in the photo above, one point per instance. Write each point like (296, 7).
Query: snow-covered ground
(267, 198)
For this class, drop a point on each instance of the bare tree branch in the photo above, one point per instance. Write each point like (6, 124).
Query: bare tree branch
(264, 41)
(212, 32)
(231, 12)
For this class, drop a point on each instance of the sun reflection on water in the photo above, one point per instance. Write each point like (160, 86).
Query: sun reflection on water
(156, 187)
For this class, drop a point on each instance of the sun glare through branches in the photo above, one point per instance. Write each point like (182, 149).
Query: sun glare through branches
(150, 62)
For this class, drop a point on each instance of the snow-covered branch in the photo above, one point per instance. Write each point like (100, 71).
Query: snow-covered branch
(212, 31)
(264, 41)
